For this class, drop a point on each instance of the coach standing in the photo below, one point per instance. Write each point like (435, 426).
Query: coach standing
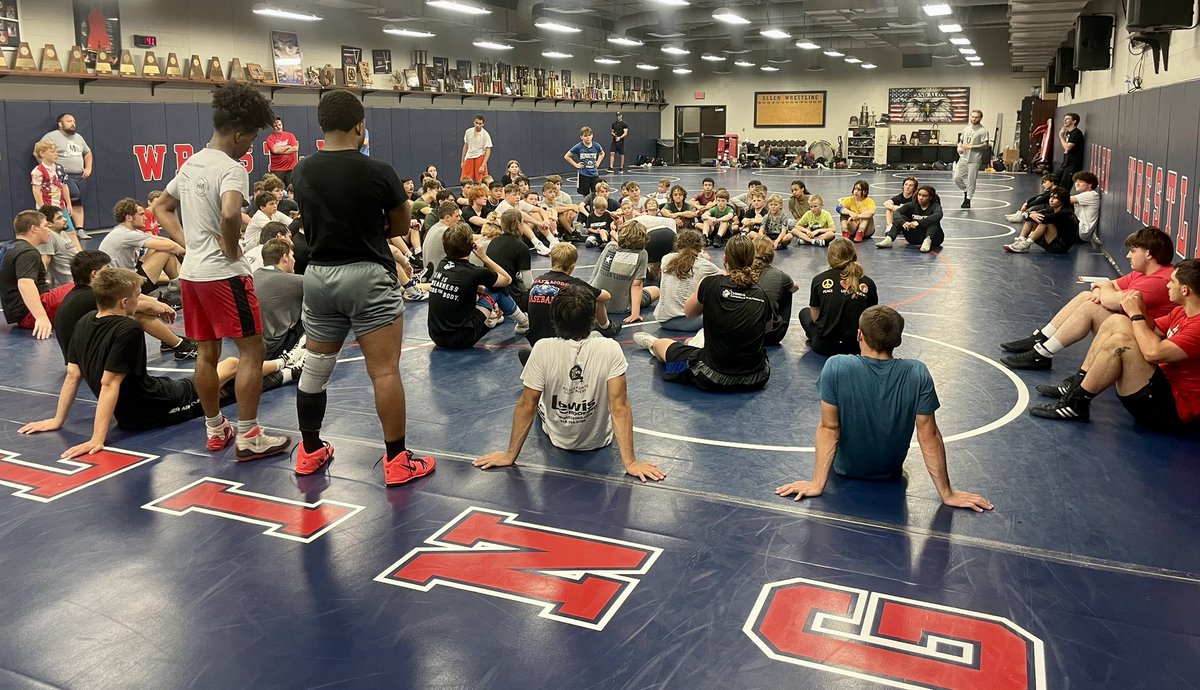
(75, 156)
(477, 149)
(1070, 138)
(284, 150)
(620, 131)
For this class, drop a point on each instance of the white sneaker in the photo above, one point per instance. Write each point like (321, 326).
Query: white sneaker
(886, 243)
(644, 339)
(1015, 217)
(592, 241)
(1019, 246)
(541, 249)
(294, 358)
(494, 320)
(415, 294)
(926, 245)
(522, 326)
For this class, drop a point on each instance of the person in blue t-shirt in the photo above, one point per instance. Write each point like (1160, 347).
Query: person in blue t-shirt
(870, 404)
(586, 157)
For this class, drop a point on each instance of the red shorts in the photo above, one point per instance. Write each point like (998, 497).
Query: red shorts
(474, 168)
(215, 309)
(51, 301)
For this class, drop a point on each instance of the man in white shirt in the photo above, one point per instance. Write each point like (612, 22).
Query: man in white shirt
(126, 241)
(584, 379)
(971, 151)
(1087, 204)
(477, 149)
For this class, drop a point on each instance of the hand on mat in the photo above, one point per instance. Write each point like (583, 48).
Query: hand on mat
(633, 319)
(801, 489)
(966, 499)
(44, 425)
(498, 459)
(86, 448)
(645, 470)
(42, 328)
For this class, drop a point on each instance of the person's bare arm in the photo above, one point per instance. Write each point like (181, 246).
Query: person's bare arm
(463, 157)
(622, 423)
(33, 302)
(66, 397)
(106, 405)
(829, 430)
(166, 210)
(693, 308)
(1155, 348)
(87, 164)
(231, 224)
(933, 449)
(522, 422)
(162, 244)
(636, 288)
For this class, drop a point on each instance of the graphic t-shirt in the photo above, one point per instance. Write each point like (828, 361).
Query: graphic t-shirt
(545, 288)
(71, 150)
(974, 135)
(773, 224)
(615, 271)
(840, 311)
(588, 156)
(595, 222)
(735, 320)
(49, 182)
(573, 377)
(1087, 210)
(1184, 331)
(676, 290)
(452, 295)
(22, 260)
(282, 161)
(124, 246)
(198, 186)
(1153, 288)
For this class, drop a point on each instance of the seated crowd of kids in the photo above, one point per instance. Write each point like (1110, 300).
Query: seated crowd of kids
(472, 246)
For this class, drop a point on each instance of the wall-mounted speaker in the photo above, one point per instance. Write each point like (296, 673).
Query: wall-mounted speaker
(1064, 69)
(1093, 42)
(1160, 15)
(1048, 83)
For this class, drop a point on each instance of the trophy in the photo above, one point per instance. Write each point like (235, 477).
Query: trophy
(75, 62)
(50, 61)
(173, 71)
(350, 74)
(24, 58)
(125, 68)
(325, 77)
(314, 76)
(215, 71)
(195, 70)
(103, 66)
(365, 76)
(255, 72)
(150, 65)
(236, 71)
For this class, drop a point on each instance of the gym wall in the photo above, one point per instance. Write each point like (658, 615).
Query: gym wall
(138, 146)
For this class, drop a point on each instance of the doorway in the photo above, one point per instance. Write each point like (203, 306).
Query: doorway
(697, 128)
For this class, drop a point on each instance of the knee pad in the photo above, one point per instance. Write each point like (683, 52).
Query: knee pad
(314, 377)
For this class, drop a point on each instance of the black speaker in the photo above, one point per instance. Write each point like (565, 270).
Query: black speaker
(1093, 42)
(1051, 86)
(917, 60)
(1064, 70)
(1160, 15)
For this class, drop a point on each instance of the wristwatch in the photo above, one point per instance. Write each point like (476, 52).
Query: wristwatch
(1138, 317)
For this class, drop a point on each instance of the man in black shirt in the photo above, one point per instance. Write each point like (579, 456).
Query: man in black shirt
(460, 311)
(620, 131)
(25, 290)
(1070, 138)
(108, 351)
(350, 205)
(152, 314)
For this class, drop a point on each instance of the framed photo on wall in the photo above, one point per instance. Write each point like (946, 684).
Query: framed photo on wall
(381, 61)
(98, 29)
(441, 66)
(789, 108)
(285, 50)
(930, 104)
(10, 25)
(464, 69)
(566, 77)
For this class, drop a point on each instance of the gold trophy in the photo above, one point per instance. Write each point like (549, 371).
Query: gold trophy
(215, 71)
(236, 71)
(76, 64)
(24, 59)
(195, 70)
(50, 61)
(103, 66)
(150, 65)
(173, 71)
(126, 68)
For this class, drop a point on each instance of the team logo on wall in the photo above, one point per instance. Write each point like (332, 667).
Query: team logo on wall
(930, 104)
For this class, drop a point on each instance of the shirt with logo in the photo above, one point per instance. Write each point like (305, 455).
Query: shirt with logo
(1184, 375)
(573, 376)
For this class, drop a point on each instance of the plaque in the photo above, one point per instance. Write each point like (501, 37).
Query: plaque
(215, 71)
(236, 71)
(364, 74)
(314, 76)
(326, 78)
(125, 67)
(103, 66)
(173, 71)
(255, 72)
(24, 58)
(195, 70)
(50, 61)
(150, 66)
(76, 64)
(411, 81)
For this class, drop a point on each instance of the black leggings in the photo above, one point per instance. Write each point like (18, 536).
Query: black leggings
(935, 233)
(845, 345)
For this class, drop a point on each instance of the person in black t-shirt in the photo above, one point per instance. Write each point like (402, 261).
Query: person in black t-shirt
(837, 298)
(730, 355)
(598, 223)
(25, 290)
(460, 309)
(108, 351)
(547, 286)
(510, 253)
(778, 286)
(907, 193)
(351, 206)
(920, 221)
(1070, 139)
(620, 131)
(1055, 230)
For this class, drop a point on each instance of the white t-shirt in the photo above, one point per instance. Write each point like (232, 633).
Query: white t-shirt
(573, 376)
(477, 143)
(675, 292)
(252, 235)
(199, 185)
(1087, 210)
(655, 222)
(974, 135)
(124, 245)
(253, 257)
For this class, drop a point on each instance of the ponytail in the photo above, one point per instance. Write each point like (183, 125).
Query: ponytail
(739, 261)
(842, 254)
(688, 245)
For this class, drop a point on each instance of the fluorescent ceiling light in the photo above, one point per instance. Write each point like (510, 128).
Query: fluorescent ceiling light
(411, 33)
(961, 41)
(606, 61)
(676, 50)
(779, 60)
(774, 33)
(949, 28)
(551, 25)
(728, 16)
(556, 54)
(624, 40)
(853, 60)
(977, 63)
(458, 6)
(807, 45)
(768, 68)
(967, 51)
(647, 66)
(713, 58)
(940, 9)
(681, 70)
(833, 52)
(744, 63)
(280, 13)
(491, 45)
(868, 65)
(673, 3)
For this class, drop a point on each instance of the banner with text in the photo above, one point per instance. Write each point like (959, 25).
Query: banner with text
(789, 108)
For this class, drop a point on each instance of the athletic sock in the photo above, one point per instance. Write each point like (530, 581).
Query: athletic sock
(1040, 350)
(245, 426)
(394, 448)
(1051, 347)
(1048, 330)
(285, 375)
(214, 422)
(310, 412)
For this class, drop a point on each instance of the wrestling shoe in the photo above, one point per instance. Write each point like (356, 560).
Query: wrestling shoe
(311, 463)
(1019, 246)
(1024, 344)
(1060, 390)
(592, 241)
(185, 349)
(1072, 410)
(818, 243)
(257, 444)
(219, 437)
(542, 250)
(415, 293)
(966, 203)
(406, 467)
(858, 236)
(644, 339)
(1028, 360)
(886, 243)
(926, 246)
(611, 330)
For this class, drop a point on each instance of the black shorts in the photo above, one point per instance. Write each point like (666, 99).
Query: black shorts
(1154, 406)
(587, 184)
(1061, 244)
(285, 176)
(182, 405)
(685, 364)
(462, 338)
(618, 147)
(659, 243)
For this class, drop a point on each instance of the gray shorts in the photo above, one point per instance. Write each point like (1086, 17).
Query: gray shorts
(361, 296)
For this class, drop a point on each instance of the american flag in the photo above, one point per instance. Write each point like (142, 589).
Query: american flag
(930, 104)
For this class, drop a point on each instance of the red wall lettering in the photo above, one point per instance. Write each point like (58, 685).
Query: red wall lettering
(1107, 167)
(150, 160)
(1147, 190)
(1172, 198)
(182, 153)
(897, 642)
(248, 162)
(1158, 197)
(320, 144)
(1184, 225)
(45, 483)
(1131, 185)
(575, 578)
(286, 519)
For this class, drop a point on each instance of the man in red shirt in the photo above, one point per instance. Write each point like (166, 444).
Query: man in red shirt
(285, 152)
(1155, 364)
(1150, 254)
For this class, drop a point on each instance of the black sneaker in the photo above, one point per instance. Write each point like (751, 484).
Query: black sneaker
(1060, 390)
(611, 330)
(186, 349)
(966, 203)
(1065, 410)
(1024, 344)
(1028, 360)
(172, 299)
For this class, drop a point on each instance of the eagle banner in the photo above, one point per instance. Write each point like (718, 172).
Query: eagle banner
(930, 104)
